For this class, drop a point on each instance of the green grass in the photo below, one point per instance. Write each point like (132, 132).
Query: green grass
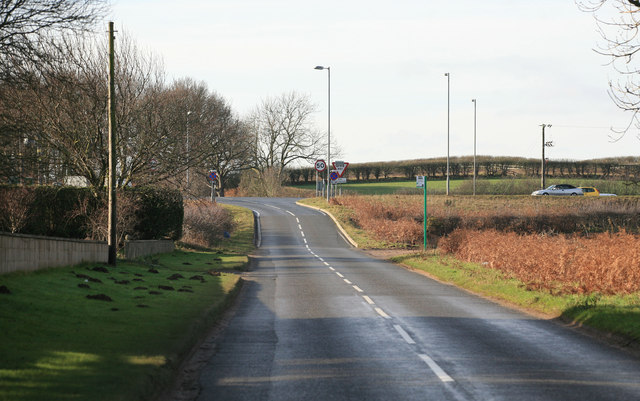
(56, 344)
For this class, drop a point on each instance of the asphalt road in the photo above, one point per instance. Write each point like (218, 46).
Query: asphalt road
(320, 320)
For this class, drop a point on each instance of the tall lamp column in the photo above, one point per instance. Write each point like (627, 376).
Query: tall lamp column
(446, 74)
(319, 67)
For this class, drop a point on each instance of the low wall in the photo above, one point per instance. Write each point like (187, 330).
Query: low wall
(20, 252)
(138, 248)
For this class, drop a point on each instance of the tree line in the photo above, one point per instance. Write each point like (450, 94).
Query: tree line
(623, 168)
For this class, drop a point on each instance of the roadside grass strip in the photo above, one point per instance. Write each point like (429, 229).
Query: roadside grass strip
(97, 332)
(617, 315)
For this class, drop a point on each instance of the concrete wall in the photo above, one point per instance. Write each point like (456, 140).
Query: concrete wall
(139, 248)
(29, 252)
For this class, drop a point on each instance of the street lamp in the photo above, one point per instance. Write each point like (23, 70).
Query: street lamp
(474, 144)
(319, 67)
(446, 74)
(542, 167)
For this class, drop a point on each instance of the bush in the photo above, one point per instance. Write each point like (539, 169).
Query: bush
(205, 223)
(67, 212)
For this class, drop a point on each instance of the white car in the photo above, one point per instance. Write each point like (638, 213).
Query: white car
(560, 189)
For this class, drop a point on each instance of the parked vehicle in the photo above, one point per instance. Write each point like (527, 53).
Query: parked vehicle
(590, 191)
(560, 190)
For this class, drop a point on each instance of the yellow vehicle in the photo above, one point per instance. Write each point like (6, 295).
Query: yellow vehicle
(590, 191)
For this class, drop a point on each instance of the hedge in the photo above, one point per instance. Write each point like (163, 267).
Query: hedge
(65, 211)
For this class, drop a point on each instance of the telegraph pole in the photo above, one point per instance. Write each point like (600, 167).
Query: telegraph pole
(542, 166)
(112, 241)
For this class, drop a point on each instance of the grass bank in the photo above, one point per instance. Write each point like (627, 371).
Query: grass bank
(611, 314)
(96, 332)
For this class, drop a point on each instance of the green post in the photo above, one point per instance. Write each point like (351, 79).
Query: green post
(425, 213)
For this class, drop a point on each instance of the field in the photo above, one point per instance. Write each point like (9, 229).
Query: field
(484, 186)
(96, 332)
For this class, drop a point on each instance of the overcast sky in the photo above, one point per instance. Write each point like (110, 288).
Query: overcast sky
(526, 63)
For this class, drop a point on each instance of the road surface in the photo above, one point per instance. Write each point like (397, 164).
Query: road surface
(320, 320)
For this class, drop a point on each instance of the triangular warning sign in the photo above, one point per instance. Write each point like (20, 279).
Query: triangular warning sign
(340, 167)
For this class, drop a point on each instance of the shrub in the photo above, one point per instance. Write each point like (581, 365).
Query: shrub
(67, 212)
(604, 263)
(205, 223)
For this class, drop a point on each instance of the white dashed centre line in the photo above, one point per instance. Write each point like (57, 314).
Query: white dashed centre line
(369, 300)
(339, 275)
(355, 287)
(332, 269)
(297, 220)
(404, 334)
(436, 368)
(289, 212)
(382, 313)
(347, 281)
(325, 263)
(302, 232)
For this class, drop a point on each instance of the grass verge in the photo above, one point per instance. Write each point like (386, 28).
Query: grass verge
(95, 332)
(618, 315)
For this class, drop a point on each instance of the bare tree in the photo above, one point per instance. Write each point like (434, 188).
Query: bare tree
(283, 131)
(618, 23)
(24, 24)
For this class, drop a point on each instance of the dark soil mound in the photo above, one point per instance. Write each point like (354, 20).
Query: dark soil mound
(100, 297)
(175, 276)
(4, 290)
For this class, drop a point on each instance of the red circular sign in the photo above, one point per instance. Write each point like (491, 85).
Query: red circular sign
(321, 165)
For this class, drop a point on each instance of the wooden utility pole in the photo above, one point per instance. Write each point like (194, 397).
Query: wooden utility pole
(112, 152)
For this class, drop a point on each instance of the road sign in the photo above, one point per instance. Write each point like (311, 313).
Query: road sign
(340, 180)
(213, 175)
(340, 167)
(420, 181)
(321, 165)
(334, 175)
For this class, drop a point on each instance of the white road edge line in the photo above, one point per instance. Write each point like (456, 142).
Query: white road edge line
(404, 334)
(381, 313)
(436, 369)
(355, 287)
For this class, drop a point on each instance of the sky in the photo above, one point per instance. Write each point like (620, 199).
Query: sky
(526, 62)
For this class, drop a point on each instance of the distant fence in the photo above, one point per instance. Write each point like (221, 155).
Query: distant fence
(138, 248)
(20, 252)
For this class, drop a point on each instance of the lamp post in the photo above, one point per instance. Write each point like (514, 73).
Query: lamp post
(188, 155)
(542, 166)
(474, 143)
(446, 74)
(319, 67)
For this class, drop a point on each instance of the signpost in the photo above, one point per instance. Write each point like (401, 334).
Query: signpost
(421, 182)
(320, 166)
(213, 177)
